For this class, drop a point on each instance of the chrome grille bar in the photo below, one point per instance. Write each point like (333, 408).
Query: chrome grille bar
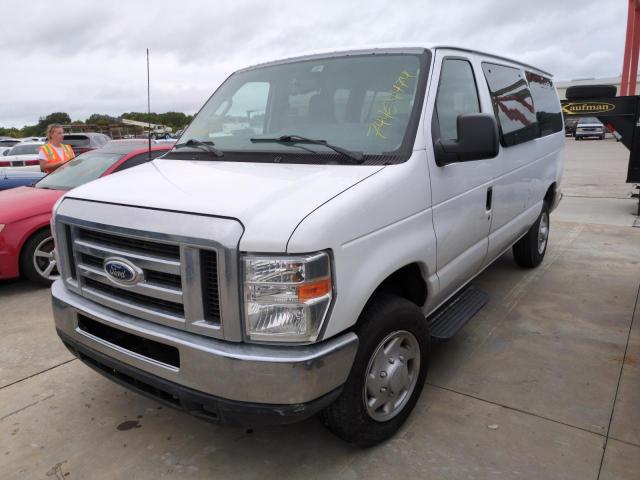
(163, 293)
(143, 261)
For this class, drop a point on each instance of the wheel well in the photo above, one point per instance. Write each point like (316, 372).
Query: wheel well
(406, 282)
(550, 196)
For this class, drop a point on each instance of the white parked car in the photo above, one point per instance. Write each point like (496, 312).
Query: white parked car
(23, 154)
(318, 224)
(590, 127)
(8, 142)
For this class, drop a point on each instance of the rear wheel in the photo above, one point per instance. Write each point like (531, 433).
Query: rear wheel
(529, 251)
(387, 376)
(37, 261)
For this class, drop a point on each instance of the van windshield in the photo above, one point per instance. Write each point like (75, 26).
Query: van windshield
(367, 104)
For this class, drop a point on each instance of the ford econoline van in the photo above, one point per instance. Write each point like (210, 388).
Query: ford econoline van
(316, 226)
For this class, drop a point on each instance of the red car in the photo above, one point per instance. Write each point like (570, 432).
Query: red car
(26, 245)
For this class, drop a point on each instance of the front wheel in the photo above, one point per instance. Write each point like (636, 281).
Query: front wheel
(37, 261)
(529, 251)
(387, 376)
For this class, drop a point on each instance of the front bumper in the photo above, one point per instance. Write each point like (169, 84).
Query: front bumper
(592, 133)
(240, 383)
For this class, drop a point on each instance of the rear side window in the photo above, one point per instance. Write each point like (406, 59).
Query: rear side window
(77, 140)
(25, 149)
(457, 94)
(512, 104)
(546, 103)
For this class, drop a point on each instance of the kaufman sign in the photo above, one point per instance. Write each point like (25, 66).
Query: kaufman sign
(580, 108)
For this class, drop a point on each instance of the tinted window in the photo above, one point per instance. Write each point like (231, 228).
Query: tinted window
(512, 104)
(546, 103)
(139, 159)
(358, 102)
(77, 140)
(457, 94)
(25, 149)
(584, 120)
(82, 169)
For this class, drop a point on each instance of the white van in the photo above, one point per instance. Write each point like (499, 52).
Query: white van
(318, 223)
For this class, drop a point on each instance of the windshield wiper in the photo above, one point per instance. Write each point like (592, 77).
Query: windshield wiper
(356, 157)
(206, 146)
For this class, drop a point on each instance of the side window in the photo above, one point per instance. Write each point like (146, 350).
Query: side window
(457, 94)
(546, 103)
(512, 104)
(139, 160)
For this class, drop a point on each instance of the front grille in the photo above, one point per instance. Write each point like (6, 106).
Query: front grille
(210, 297)
(177, 284)
(155, 278)
(118, 293)
(131, 244)
(142, 346)
(72, 262)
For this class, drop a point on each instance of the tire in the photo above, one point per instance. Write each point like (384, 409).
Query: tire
(34, 264)
(529, 251)
(394, 341)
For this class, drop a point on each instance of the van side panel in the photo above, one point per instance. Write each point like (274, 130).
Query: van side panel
(459, 194)
(522, 174)
(373, 235)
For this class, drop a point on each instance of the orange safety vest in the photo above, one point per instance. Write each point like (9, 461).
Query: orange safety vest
(53, 159)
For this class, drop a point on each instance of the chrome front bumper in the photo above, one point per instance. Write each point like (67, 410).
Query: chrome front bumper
(239, 372)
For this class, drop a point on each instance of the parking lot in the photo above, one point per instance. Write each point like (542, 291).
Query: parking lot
(543, 383)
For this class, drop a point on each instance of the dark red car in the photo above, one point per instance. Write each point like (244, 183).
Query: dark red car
(26, 245)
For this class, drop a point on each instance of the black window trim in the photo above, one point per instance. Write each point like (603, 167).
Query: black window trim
(435, 122)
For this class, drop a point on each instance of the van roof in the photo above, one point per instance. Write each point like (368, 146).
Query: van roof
(390, 48)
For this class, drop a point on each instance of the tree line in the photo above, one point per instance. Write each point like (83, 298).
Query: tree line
(175, 120)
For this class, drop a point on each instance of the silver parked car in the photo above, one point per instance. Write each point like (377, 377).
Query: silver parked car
(590, 127)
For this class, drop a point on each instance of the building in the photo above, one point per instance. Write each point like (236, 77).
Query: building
(562, 86)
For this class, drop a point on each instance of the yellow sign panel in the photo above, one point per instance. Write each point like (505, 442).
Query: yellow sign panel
(577, 108)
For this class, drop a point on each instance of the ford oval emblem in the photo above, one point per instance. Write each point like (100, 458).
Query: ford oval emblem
(122, 271)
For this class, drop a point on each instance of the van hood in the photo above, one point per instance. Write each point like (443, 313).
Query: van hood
(268, 199)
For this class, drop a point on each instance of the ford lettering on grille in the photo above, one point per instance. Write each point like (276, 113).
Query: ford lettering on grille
(122, 271)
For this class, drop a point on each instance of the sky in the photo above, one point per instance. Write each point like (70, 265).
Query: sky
(89, 56)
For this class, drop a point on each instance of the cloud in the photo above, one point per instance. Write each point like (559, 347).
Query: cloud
(88, 56)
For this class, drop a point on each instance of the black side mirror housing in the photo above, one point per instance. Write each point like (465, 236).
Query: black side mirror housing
(477, 140)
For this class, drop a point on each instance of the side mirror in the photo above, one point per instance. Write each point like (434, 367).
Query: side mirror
(5, 153)
(477, 140)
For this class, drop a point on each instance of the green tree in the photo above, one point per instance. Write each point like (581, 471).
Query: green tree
(55, 117)
(31, 131)
(100, 119)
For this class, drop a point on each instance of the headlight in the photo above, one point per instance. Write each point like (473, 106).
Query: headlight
(287, 298)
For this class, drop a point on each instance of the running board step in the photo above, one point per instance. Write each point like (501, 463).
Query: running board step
(454, 314)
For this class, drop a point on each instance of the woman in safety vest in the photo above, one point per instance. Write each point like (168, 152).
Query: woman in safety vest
(54, 153)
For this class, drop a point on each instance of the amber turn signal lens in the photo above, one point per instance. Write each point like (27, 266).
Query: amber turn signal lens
(315, 289)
